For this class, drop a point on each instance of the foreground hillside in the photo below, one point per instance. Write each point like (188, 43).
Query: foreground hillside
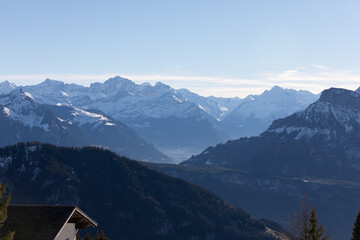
(128, 200)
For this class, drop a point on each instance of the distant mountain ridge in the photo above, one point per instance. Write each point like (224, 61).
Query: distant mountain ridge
(178, 122)
(23, 119)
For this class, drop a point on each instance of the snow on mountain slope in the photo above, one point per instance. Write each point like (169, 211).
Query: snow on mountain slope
(119, 97)
(321, 140)
(23, 119)
(178, 122)
(256, 113)
(159, 113)
(21, 107)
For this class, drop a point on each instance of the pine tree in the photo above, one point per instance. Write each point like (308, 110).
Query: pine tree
(299, 225)
(356, 229)
(100, 236)
(88, 237)
(305, 226)
(315, 232)
(4, 202)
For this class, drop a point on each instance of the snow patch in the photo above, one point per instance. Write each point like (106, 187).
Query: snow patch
(83, 117)
(35, 173)
(201, 107)
(224, 109)
(7, 111)
(64, 93)
(22, 169)
(29, 95)
(33, 148)
(176, 99)
(302, 132)
(5, 162)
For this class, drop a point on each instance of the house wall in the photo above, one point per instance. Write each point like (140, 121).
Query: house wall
(67, 233)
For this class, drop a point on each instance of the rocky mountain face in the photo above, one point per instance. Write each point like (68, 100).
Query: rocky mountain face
(121, 195)
(178, 122)
(321, 140)
(23, 119)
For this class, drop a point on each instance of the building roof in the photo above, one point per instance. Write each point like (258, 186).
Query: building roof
(42, 222)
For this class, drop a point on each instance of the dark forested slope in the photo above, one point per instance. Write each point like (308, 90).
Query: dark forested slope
(128, 200)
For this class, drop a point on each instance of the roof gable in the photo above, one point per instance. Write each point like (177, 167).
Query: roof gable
(42, 222)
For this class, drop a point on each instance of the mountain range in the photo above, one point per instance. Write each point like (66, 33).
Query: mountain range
(127, 199)
(313, 153)
(177, 122)
(321, 140)
(23, 119)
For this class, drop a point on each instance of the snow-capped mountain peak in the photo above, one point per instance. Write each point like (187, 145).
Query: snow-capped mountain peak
(162, 86)
(116, 83)
(21, 106)
(17, 96)
(6, 87)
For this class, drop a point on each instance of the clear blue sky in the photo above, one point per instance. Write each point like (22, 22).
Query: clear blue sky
(223, 48)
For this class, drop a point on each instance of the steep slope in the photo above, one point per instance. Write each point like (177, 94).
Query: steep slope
(321, 140)
(128, 200)
(256, 113)
(22, 119)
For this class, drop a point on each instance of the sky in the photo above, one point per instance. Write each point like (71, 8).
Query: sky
(221, 48)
